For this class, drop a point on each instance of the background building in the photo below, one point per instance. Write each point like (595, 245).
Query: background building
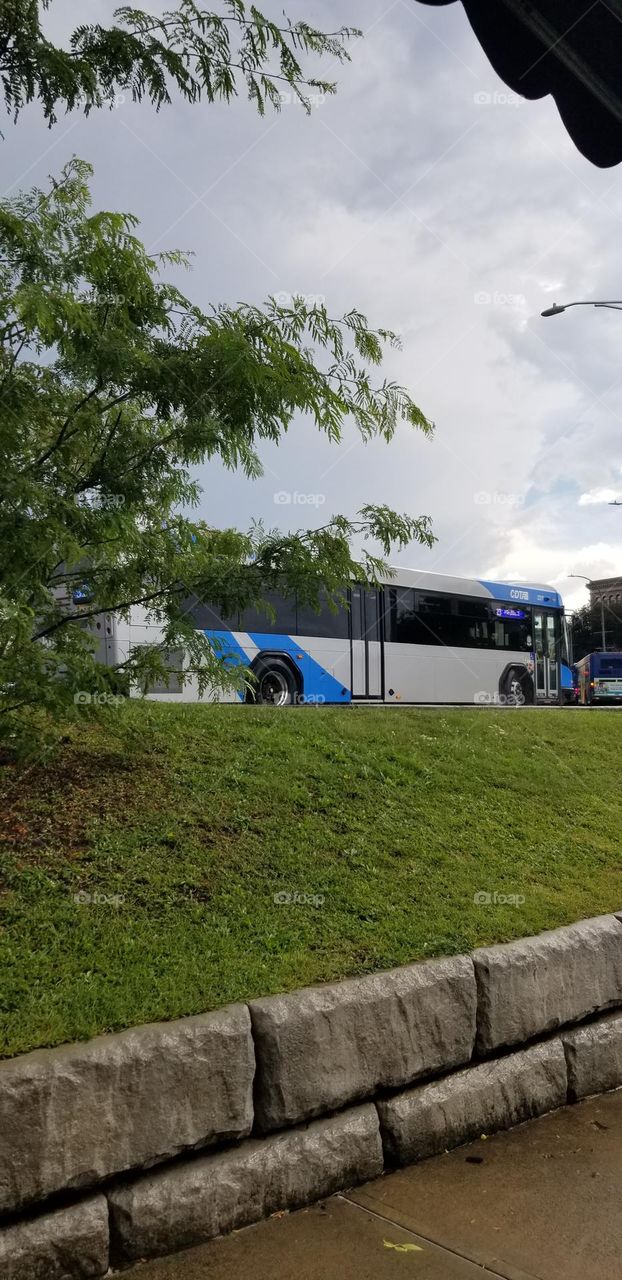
(609, 590)
(599, 624)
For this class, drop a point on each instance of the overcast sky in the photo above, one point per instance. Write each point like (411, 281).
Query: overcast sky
(432, 198)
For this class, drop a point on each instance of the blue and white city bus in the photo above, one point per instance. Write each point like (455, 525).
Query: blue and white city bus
(419, 637)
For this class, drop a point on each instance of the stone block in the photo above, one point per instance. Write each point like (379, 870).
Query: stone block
(73, 1116)
(532, 986)
(68, 1244)
(594, 1056)
(480, 1099)
(199, 1199)
(322, 1048)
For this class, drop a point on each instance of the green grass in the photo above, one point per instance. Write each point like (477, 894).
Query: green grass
(198, 816)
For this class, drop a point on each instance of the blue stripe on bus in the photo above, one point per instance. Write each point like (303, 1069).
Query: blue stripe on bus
(318, 684)
(226, 646)
(567, 681)
(518, 594)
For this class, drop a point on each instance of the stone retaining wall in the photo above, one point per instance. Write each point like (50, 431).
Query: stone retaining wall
(161, 1137)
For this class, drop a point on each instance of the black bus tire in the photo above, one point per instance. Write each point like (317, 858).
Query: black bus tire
(276, 685)
(518, 687)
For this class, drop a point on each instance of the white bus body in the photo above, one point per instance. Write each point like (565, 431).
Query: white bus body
(421, 637)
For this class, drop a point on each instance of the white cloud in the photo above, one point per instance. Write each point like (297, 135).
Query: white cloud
(555, 564)
(597, 497)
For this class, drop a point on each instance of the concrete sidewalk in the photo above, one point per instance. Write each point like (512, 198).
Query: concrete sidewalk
(541, 1202)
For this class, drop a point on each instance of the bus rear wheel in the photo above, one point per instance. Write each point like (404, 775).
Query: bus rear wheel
(276, 684)
(518, 687)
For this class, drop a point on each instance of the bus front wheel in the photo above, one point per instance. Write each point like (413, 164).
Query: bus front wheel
(276, 684)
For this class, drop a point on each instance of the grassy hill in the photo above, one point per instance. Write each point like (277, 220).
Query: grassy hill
(143, 866)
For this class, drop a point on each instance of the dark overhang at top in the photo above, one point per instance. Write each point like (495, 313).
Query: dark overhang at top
(571, 49)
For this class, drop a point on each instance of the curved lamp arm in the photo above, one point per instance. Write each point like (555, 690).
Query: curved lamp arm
(557, 307)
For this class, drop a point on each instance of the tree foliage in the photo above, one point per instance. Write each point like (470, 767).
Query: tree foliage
(114, 386)
(587, 629)
(198, 53)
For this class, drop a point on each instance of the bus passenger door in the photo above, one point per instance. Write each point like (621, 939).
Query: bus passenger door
(366, 643)
(547, 655)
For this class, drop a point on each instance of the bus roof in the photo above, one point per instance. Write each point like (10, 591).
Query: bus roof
(599, 653)
(518, 592)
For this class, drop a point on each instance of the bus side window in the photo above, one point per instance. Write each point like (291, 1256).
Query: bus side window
(206, 617)
(280, 621)
(329, 622)
(435, 620)
(401, 620)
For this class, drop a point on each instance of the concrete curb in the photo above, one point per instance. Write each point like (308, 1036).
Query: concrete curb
(423, 1057)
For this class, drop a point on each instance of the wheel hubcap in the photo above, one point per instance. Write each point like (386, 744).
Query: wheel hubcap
(274, 689)
(516, 692)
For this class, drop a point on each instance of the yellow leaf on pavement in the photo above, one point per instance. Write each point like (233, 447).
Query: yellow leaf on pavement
(402, 1248)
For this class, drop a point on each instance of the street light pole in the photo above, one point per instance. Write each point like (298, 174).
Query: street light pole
(557, 308)
(603, 639)
(614, 304)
